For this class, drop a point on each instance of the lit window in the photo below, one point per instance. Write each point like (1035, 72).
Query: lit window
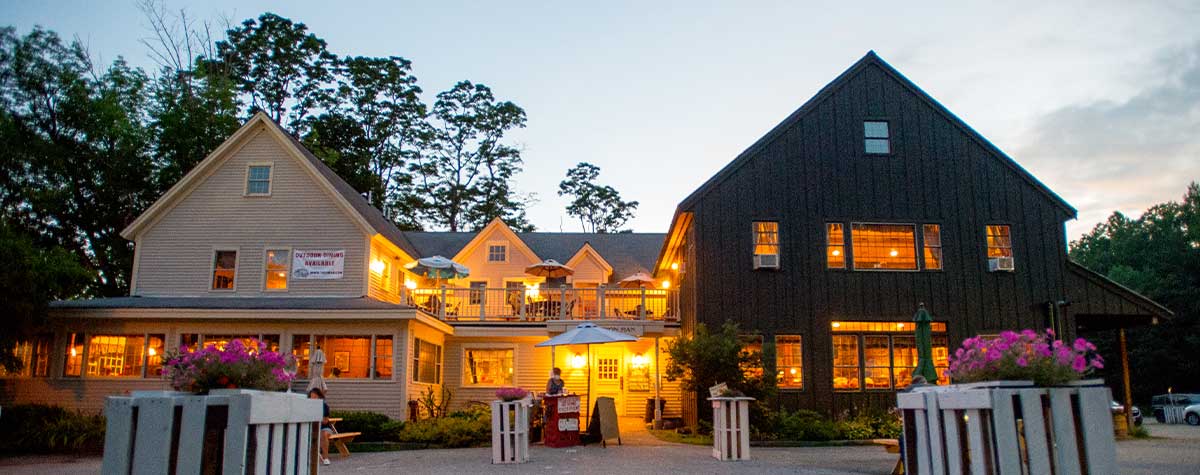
(34, 356)
(835, 248)
(877, 137)
(277, 268)
(877, 362)
(884, 246)
(224, 269)
(608, 368)
(931, 234)
(302, 351)
(125, 356)
(383, 357)
(497, 253)
(219, 341)
(346, 356)
(789, 362)
(752, 345)
(427, 362)
(258, 180)
(74, 361)
(488, 367)
(766, 238)
(904, 359)
(845, 363)
(999, 241)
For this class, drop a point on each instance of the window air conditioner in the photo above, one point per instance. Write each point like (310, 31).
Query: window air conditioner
(997, 264)
(766, 261)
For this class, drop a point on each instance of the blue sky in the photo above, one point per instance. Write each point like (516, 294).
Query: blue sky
(1100, 100)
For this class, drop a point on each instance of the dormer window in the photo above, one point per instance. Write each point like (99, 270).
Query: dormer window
(877, 137)
(258, 180)
(497, 253)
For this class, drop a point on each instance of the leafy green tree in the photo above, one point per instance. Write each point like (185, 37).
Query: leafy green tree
(281, 68)
(31, 278)
(1157, 255)
(77, 160)
(707, 358)
(372, 131)
(599, 208)
(466, 170)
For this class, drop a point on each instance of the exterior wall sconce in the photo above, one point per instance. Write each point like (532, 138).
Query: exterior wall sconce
(578, 361)
(378, 266)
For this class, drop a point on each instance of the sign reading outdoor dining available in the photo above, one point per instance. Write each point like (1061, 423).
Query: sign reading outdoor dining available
(314, 265)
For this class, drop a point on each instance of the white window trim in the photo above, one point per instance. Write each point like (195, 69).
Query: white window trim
(485, 346)
(487, 248)
(312, 345)
(87, 347)
(803, 367)
(917, 250)
(212, 267)
(754, 235)
(441, 372)
(270, 178)
(265, 269)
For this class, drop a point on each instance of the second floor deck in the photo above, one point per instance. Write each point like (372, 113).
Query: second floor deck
(550, 304)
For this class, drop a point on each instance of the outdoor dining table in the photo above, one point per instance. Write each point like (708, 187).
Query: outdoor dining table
(544, 308)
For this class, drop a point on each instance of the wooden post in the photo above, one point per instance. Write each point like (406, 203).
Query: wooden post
(442, 305)
(600, 301)
(483, 303)
(657, 383)
(562, 306)
(642, 308)
(1128, 400)
(524, 315)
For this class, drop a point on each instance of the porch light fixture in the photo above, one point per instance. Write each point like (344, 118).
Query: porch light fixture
(666, 284)
(533, 290)
(377, 266)
(410, 284)
(674, 266)
(578, 361)
(639, 361)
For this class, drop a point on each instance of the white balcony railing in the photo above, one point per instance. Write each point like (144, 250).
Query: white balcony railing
(563, 303)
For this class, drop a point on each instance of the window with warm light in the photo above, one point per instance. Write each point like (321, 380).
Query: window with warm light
(877, 137)
(427, 362)
(835, 247)
(931, 236)
(383, 357)
(999, 241)
(884, 246)
(224, 269)
(277, 269)
(34, 355)
(888, 355)
(74, 358)
(196, 341)
(789, 362)
(488, 367)
(766, 238)
(752, 345)
(477, 290)
(258, 180)
(497, 253)
(126, 356)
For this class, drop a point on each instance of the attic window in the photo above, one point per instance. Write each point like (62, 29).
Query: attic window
(497, 253)
(258, 180)
(877, 137)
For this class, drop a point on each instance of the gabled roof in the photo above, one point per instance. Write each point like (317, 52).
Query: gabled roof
(627, 253)
(496, 226)
(1103, 296)
(582, 254)
(357, 207)
(870, 59)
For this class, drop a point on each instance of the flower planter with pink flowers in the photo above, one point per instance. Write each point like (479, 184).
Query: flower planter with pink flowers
(228, 416)
(510, 426)
(1019, 405)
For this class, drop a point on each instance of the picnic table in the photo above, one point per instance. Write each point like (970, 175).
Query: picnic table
(340, 439)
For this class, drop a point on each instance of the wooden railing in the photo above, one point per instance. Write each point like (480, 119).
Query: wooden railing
(563, 303)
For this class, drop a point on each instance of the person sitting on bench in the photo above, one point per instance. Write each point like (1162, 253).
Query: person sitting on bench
(326, 427)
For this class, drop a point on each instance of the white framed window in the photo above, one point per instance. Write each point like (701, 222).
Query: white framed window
(224, 269)
(115, 355)
(346, 356)
(931, 236)
(497, 252)
(276, 268)
(258, 179)
(427, 362)
(488, 365)
(766, 244)
(877, 137)
(999, 247)
(789, 362)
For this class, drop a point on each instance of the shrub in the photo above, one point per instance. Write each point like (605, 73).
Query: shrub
(235, 366)
(805, 425)
(374, 426)
(37, 428)
(471, 427)
(1023, 356)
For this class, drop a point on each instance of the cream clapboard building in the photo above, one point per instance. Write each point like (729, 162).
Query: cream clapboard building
(262, 240)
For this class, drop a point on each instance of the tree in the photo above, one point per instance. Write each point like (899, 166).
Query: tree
(465, 171)
(708, 358)
(31, 278)
(599, 208)
(1157, 255)
(76, 160)
(372, 131)
(282, 69)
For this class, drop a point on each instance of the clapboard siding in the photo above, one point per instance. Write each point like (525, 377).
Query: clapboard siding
(814, 171)
(85, 395)
(415, 389)
(385, 286)
(174, 255)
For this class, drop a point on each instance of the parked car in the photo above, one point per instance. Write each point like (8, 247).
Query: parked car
(1180, 399)
(1191, 414)
(1118, 408)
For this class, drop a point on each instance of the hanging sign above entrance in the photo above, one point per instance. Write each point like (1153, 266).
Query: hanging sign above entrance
(314, 265)
(632, 330)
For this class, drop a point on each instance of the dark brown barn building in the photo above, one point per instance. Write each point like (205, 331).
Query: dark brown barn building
(826, 234)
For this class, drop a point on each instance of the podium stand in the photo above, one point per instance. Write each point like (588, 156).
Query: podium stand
(562, 421)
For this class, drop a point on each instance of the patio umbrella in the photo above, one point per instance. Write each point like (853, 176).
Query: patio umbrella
(438, 267)
(316, 368)
(586, 334)
(550, 269)
(640, 279)
(924, 337)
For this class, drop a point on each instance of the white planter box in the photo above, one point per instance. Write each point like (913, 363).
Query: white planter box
(1009, 427)
(1174, 415)
(260, 432)
(731, 428)
(510, 431)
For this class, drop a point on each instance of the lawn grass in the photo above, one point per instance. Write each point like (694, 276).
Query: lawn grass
(672, 436)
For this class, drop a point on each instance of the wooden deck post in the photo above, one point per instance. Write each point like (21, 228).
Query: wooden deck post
(1128, 399)
(442, 305)
(562, 306)
(524, 315)
(600, 301)
(642, 307)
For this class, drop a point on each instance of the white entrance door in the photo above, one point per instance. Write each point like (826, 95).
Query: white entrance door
(608, 376)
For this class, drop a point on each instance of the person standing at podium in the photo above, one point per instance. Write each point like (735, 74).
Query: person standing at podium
(555, 385)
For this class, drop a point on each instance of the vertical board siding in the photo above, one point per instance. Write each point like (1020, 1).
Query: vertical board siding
(175, 253)
(815, 172)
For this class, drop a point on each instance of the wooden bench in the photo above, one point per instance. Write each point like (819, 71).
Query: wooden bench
(340, 439)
